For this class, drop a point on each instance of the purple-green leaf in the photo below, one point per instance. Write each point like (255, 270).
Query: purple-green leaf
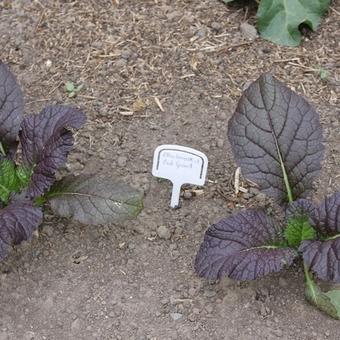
(276, 137)
(323, 257)
(244, 246)
(17, 223)
(328, 302)
(11, 108)
(94, 200)
(303, 207)
(46, 143)
(329, 215)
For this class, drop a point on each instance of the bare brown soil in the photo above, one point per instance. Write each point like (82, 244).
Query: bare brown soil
(155, 72)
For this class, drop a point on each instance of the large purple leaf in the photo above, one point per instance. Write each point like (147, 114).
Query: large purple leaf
(323, 257)
(11, 107)
(329, 215)
(243, 246)
(276, 137)
(46, 142)
(38, 130)
(17, 223)
(51, 159)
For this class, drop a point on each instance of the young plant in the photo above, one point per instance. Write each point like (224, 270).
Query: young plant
(279, 20)
(276, 139)
(46, 140)
(71, 89)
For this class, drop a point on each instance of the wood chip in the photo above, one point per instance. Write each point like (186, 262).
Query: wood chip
(138, 105)
(159, 104)
(237, 180)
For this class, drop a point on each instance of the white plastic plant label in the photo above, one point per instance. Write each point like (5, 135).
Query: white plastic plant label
(181, 165)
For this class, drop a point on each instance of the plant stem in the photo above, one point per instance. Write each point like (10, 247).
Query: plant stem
(332, 237)
(284, 172)
(285, 179)
(310, 283)
(2, 150)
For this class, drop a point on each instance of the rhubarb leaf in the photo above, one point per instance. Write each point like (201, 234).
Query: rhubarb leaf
(279, 20)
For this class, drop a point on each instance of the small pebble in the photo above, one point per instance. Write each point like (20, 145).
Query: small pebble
(121, 161)
(221, 115)
(173, 15)
(216, 26)
(219, 142)
(248, 31)
(277, 332)
(164, 301)
(48, 230)
(163, 232)
(201, 33)
(254, 191)
(126, 54)
(192, 317)
(120, 63)
(76, 325)
(248, 195)
(209, 293)
(192, 292)
(187, 195)
(176, 316)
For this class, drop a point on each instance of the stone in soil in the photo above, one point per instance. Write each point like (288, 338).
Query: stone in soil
(163, 232)
(121, 161)
(176, 316)
(248, 31)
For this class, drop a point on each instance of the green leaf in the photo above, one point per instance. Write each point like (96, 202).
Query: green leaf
(69, 86)
(334, 296)
(93, 200)
(324, 74)
(9, 182)
(24, 175)
(298, 229)
(279, 20)
(328, 302)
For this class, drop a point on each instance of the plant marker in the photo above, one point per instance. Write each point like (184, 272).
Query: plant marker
(180, 165)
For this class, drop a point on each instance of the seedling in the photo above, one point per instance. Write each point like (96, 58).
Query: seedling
(323, 73)
(71, 89)
(46, 140)
(276, 139)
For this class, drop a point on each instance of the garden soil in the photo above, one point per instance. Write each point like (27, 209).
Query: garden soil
(156, 72)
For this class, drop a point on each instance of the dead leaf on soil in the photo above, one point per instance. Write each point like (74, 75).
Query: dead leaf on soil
(138, 105)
